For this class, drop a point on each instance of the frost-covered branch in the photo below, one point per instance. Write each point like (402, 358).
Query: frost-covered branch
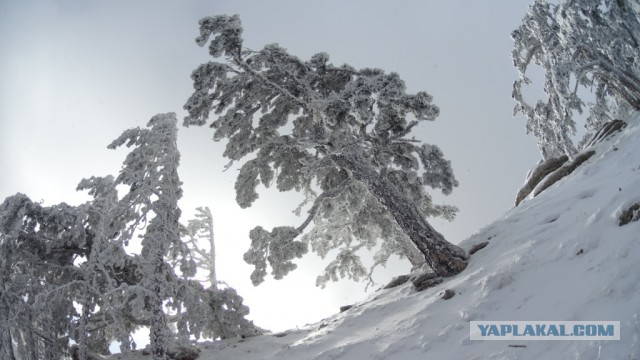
(201, 228)
(580, 44)
(333, 192)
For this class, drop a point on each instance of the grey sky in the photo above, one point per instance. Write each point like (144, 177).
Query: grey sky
(75, 74)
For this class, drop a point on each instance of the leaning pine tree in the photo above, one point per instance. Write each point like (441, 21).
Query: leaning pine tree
(339, 136)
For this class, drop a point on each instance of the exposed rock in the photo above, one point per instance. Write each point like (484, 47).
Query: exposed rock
(184, 355)
(397, 281)
(474, 249)
(174, 352)
(183, 352)
(539, 173)
(425, 281)
(563, 171)
(631, 214)
(448, 294)
(606, 130)
(418, 278)
(554, 169)
(345, 308)
(75, 355)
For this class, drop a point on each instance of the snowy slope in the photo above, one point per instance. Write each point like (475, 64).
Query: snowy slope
(558, 256)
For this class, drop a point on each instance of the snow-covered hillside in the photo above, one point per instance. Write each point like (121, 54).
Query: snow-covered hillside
(558, 256)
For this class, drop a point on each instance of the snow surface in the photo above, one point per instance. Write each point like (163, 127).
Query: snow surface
(558, 256)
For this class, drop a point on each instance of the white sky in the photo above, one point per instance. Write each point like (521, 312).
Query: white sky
(75, 74)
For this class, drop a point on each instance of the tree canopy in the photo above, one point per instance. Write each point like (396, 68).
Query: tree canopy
(581, 46)
(338, 135)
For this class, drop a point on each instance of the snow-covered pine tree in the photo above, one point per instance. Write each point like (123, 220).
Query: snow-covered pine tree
(107, 271)
(581, 45)
(167, 292)
(151, 172)
(39, 280)
(91, 268)
(338, 135)
(227, 315)
(57, 255)
(225, 312)
(14, 276)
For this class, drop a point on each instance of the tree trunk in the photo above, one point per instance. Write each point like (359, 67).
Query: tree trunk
(83, 339)
(412, 253)
(443, 257)
(157, 336)
(32, 343)
(212, 253)
(6, 346)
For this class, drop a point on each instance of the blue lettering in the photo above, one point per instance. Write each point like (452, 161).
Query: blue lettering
(483, 329)
(493, 330)
(528, 331)
(562, 330)
(505, 329)
(605, 331)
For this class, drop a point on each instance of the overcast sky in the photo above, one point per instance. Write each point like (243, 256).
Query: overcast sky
(75, 74)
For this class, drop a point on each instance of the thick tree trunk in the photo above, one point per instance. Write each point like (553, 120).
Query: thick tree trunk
(443, 257)
(412, 253)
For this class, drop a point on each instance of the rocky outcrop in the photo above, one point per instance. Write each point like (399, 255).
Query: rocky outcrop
(563, 171)
(632, 213)
(539, 173)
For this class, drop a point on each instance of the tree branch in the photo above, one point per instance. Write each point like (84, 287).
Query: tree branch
(331, 193)
(244, 66)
